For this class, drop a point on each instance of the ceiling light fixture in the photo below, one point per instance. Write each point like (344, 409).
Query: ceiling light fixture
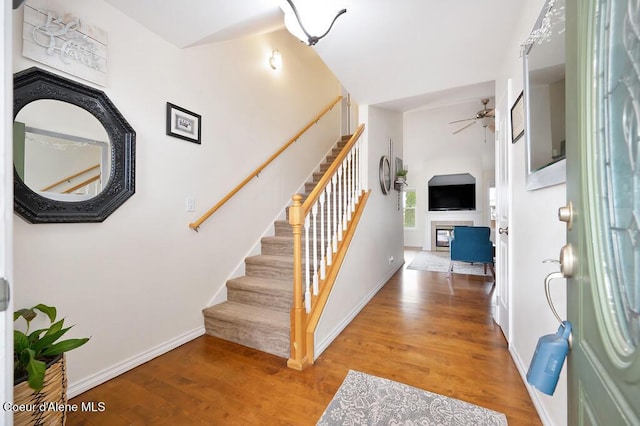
(315, 14)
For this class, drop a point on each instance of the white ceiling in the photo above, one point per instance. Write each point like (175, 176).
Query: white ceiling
(400, 54)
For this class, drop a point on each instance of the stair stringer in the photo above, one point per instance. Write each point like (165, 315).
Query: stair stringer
(319, 302)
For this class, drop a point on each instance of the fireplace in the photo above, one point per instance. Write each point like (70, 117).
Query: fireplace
(441, 233)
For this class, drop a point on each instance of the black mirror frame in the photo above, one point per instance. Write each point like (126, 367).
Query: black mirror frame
(33, 84)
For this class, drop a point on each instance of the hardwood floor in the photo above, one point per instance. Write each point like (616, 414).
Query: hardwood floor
(419, 329)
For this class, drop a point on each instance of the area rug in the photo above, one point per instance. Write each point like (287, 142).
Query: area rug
(363, 399)
(438, 261)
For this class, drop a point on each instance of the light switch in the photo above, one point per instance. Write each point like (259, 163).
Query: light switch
(191, 205)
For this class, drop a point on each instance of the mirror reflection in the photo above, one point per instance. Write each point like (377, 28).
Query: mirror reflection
(61, 151)
(545, 95)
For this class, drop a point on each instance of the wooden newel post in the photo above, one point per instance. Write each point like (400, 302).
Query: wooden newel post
(298, 350)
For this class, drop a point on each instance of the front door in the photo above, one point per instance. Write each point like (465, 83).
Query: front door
(603, 183)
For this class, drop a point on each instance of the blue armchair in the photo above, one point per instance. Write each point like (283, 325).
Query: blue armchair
(472, 244)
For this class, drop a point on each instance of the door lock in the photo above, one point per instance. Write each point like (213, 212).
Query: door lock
(565, 214)
(567, 260)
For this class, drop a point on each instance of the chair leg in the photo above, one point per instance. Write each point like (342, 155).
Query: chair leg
(450, 269)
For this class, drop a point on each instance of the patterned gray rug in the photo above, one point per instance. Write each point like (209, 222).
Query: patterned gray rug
(363, 399)
(438, 261)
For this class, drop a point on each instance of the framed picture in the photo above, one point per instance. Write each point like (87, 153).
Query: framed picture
(517, 118)
(183, 124)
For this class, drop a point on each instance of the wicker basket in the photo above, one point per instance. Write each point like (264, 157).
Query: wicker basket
(52, 397)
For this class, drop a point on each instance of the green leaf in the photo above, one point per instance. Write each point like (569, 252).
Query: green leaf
(64, 346)
(26, 356)
(35, 373)
(50, 311)
(55, 327)
(27, 314)
(20, 341)
(35, 335)
(47, 341)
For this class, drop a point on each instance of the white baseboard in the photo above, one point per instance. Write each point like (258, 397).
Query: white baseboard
(533, 393)
(321, 346)
(100, 377)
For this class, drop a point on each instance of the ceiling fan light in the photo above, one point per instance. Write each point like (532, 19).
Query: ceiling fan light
(487, 121)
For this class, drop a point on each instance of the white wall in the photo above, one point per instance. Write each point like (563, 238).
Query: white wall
(137, 282)
(376, 251)
(431, 149)
(535, 234)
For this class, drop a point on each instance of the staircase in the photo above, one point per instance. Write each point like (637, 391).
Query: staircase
(257, 312)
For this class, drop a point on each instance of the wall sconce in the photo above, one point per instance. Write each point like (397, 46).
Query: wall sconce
(275, 60)
(316, 15)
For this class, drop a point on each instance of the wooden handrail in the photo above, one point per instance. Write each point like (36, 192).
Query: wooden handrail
(68, 178)
(195, 225)
(81, 184)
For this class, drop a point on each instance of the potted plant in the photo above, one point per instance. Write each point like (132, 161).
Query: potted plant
(39, 369)
(401, 175)
(401, 179)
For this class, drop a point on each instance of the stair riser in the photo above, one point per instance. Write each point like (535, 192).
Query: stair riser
(272, 341)
(279, 271)
(275, 301)
(318, 175)
(285, 230)
(319, 216)
(284, 248)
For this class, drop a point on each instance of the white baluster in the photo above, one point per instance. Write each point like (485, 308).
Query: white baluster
(314, 212)
(358, 193)
(350, 184)
(307, 293)
(354, 196)
(323, 248)
(329, 226)
(340, 202)
(345, 205)
(359, 165)
(334, 239)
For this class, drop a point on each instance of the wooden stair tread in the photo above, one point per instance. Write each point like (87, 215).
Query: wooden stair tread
(261, 284)
(247, 314)
(270, 259)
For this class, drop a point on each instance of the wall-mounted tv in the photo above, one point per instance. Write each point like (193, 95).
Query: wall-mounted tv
(452, 197)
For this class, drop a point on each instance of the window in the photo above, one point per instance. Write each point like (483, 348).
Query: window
(409, 208)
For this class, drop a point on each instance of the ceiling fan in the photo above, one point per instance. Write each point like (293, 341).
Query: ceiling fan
(485, 116)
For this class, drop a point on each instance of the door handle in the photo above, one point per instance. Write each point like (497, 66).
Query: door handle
(503, 230)
(567, 265)
(547, 281)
